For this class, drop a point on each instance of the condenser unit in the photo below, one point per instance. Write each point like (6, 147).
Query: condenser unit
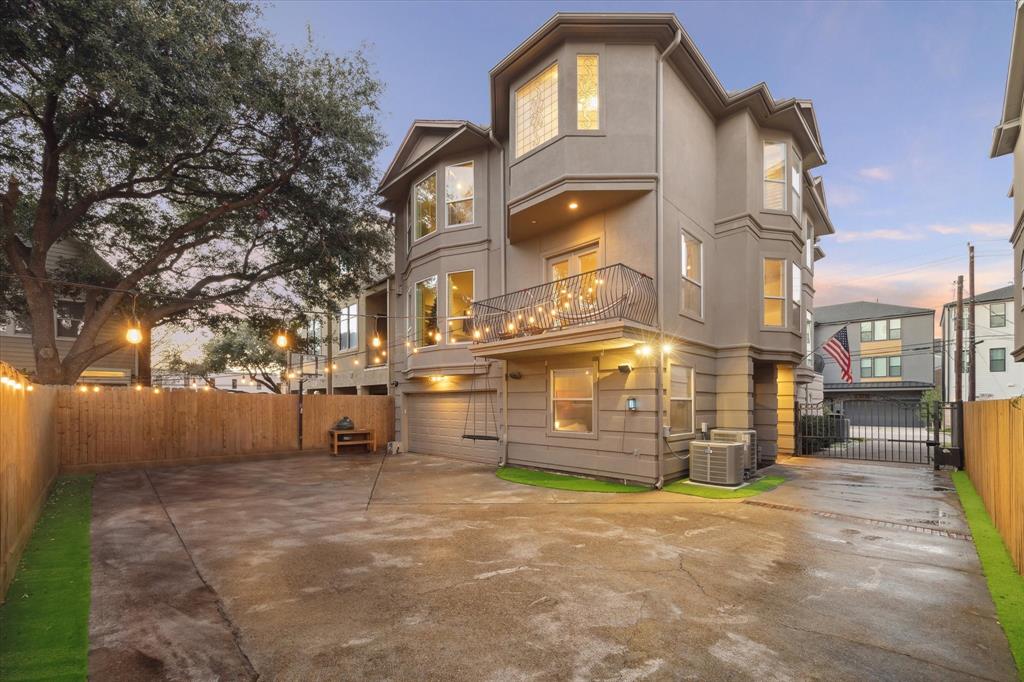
(715, 462)
(746, 436)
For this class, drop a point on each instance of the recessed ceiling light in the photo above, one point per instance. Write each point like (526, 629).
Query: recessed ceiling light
(573, 205)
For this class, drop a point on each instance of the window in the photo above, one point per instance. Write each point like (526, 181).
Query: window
(775, 176)
(573, 263)
(881, 330)
(70, 318)
(796, 293)
(877, 367)
(458, 193)
(809, 245)
(865, 332)
(426, 312)
(572, 400)
(348, 327)
(895, 366)
(997, 315)
(425, 207)
(680, 411)
(692, 277)
(895, 329)
(460, 299)
(997, 359)
(587, 98)
(795, 187)
(774, 292)
(865, 368)
(809, 339)
(537, 111)
(15, 323)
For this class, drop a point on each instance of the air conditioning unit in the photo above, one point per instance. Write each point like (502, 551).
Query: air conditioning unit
(716, 463)
(746, 436)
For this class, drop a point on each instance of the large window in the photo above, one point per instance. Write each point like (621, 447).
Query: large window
(70, 318)
(878, 367)
(775, 176)
(680, 410)
(425, 312)
(774, 292)
(458, 193)
(425, 207)
(881, 330)
(587, 93)
(537, 111)
(572, 400)
(460, 299)
(997, 315)
(348, 327)
(692, 277)
(997, 359)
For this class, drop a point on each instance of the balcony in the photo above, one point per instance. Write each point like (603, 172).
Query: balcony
(611, 307)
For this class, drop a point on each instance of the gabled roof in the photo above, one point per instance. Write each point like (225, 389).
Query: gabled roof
(795, 116)
(1000, 294)
(859, 311)
(457, 134)
(1004, 137)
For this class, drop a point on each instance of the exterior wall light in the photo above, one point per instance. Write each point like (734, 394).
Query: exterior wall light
(573, 205)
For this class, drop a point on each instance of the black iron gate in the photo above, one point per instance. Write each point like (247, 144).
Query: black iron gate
(874, 430)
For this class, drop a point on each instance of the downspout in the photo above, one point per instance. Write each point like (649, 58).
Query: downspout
(503, 460)
(658, 255)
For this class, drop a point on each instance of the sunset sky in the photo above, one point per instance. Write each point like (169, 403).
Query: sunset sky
(906, 96)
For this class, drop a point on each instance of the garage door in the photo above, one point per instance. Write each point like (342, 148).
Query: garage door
(437, 421)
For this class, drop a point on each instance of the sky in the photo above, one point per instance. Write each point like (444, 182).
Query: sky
(906, 95)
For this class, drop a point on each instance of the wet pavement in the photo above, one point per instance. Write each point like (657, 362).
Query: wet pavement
(290, 570)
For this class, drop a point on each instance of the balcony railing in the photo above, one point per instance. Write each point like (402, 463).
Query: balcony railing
(614, 292)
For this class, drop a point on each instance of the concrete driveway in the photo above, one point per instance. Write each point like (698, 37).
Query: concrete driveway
(291, 570)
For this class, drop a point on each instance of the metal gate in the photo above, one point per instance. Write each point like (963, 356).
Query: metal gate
(874, 430)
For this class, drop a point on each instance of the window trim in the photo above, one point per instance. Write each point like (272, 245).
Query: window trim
(600, 99)
(692, 433)
(447, 302)
(683, 234)
(991, 317)
(992, 369)
(415, 313)
(415, 215)
(472, 198)
(785, 176)
(594, 425)
(517, 155)
(572, 252)
(765, 297)
(870, 360)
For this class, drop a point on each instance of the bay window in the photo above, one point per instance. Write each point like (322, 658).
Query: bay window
(572, 400)
(425, 312)
(774, 288)
(460, 300)
(587, 93)
(425, 207)
(795, 188)
(775, 176)
(537, 110)
(458, 193)
(692, 277)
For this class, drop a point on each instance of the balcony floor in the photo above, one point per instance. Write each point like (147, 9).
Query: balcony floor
(607, 335)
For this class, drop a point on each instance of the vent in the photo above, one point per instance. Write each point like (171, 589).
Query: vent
(749, 439)
(716, 463)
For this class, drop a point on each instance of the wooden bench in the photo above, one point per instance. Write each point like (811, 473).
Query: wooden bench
(355, 437)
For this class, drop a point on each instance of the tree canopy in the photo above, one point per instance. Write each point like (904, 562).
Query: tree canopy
(206, 165)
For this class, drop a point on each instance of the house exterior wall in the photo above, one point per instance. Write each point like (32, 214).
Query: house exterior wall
(989, 384)
(1017, 241)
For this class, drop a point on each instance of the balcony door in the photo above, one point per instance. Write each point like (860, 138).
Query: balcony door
(575, 262)
(579, 295)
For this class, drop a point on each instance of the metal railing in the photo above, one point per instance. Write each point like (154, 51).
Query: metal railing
(614, 292)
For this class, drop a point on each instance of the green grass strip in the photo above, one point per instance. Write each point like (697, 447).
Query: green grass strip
(684, 487)
(44, 624)
(544, 479)
(1005, 584)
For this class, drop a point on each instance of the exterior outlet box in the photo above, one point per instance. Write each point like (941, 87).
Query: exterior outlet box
(748, 437)
(716, 463)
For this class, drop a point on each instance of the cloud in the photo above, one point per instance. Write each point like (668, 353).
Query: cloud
(879, 173)
(841, 195)
(875, 235)
(982, 229)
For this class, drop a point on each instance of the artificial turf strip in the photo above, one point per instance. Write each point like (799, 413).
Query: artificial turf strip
(44, 624)
(684, 487)
(545, 479)
(1005, 584)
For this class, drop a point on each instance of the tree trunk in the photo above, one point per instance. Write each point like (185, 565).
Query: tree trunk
(49, 369)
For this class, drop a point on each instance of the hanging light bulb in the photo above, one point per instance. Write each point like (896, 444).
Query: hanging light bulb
(138, 387)
(376, 342)
(156, 390)
(281, 340)
(95, 389)
(83, 389)
(133, 335)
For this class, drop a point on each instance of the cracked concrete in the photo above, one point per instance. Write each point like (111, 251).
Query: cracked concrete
(448, 572)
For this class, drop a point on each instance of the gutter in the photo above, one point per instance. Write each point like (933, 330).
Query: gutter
(658, 255)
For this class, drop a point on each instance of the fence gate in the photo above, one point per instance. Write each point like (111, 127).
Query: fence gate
(873, 430)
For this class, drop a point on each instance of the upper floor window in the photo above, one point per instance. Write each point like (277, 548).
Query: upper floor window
(425, 207)
(572, 400)
(874, 368)
(997, 359)
(809, 245)
(537, 110)
(15, 323)
(458, 193)
(425, 312)
(587, 93)
(997, 315)
(348, 327)
(795, 187)
(881, 330)
(680, 389)
(692, 277)
(774, 288)
(460, 300)
(797, 294)
(775, 176)
(70, 318)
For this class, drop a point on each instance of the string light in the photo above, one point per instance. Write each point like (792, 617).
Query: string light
(30, 388)
(376, 342)
(95, 389)
(133, 335)
(138, 387)
(281, 340)
(83, 389)
(156, 390)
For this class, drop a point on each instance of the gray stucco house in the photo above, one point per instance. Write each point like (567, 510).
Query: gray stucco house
(624, 254)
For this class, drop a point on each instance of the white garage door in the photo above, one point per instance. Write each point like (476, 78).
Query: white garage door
(437, 422)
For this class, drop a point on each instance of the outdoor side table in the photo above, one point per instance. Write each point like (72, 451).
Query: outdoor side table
(340, 438)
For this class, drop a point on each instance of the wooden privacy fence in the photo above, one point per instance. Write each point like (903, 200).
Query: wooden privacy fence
(994, 459)
(118, 428)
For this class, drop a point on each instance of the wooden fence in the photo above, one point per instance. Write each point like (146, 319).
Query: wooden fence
(28, 463)
(994, 459)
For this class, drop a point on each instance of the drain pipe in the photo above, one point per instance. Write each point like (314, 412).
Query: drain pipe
(503, 460)
(658, 256)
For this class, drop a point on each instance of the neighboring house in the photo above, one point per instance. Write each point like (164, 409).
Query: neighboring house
(624, 256)
(222, 381)
(118, 368)
(997, 375)
(1006, 139)
(892, 351)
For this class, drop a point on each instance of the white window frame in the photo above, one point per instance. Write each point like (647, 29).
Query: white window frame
(990, 367)
(447, 304)
(415, 316)
(471, 199)
(515, 113)
(785, 176)
(991, 317)
(348, 319)
(765, 297)
(592, 370)
(682, 272)
(671, 398)
(415, 210)
(796, 291)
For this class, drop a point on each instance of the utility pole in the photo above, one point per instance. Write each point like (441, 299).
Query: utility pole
(329, 370)
(971, 364)
(958, 361)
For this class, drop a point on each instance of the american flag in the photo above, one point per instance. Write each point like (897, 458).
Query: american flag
(839, 348)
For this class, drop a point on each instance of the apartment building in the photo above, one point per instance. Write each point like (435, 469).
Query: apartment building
(622, 258)
(996, 374)
(1006, 139)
